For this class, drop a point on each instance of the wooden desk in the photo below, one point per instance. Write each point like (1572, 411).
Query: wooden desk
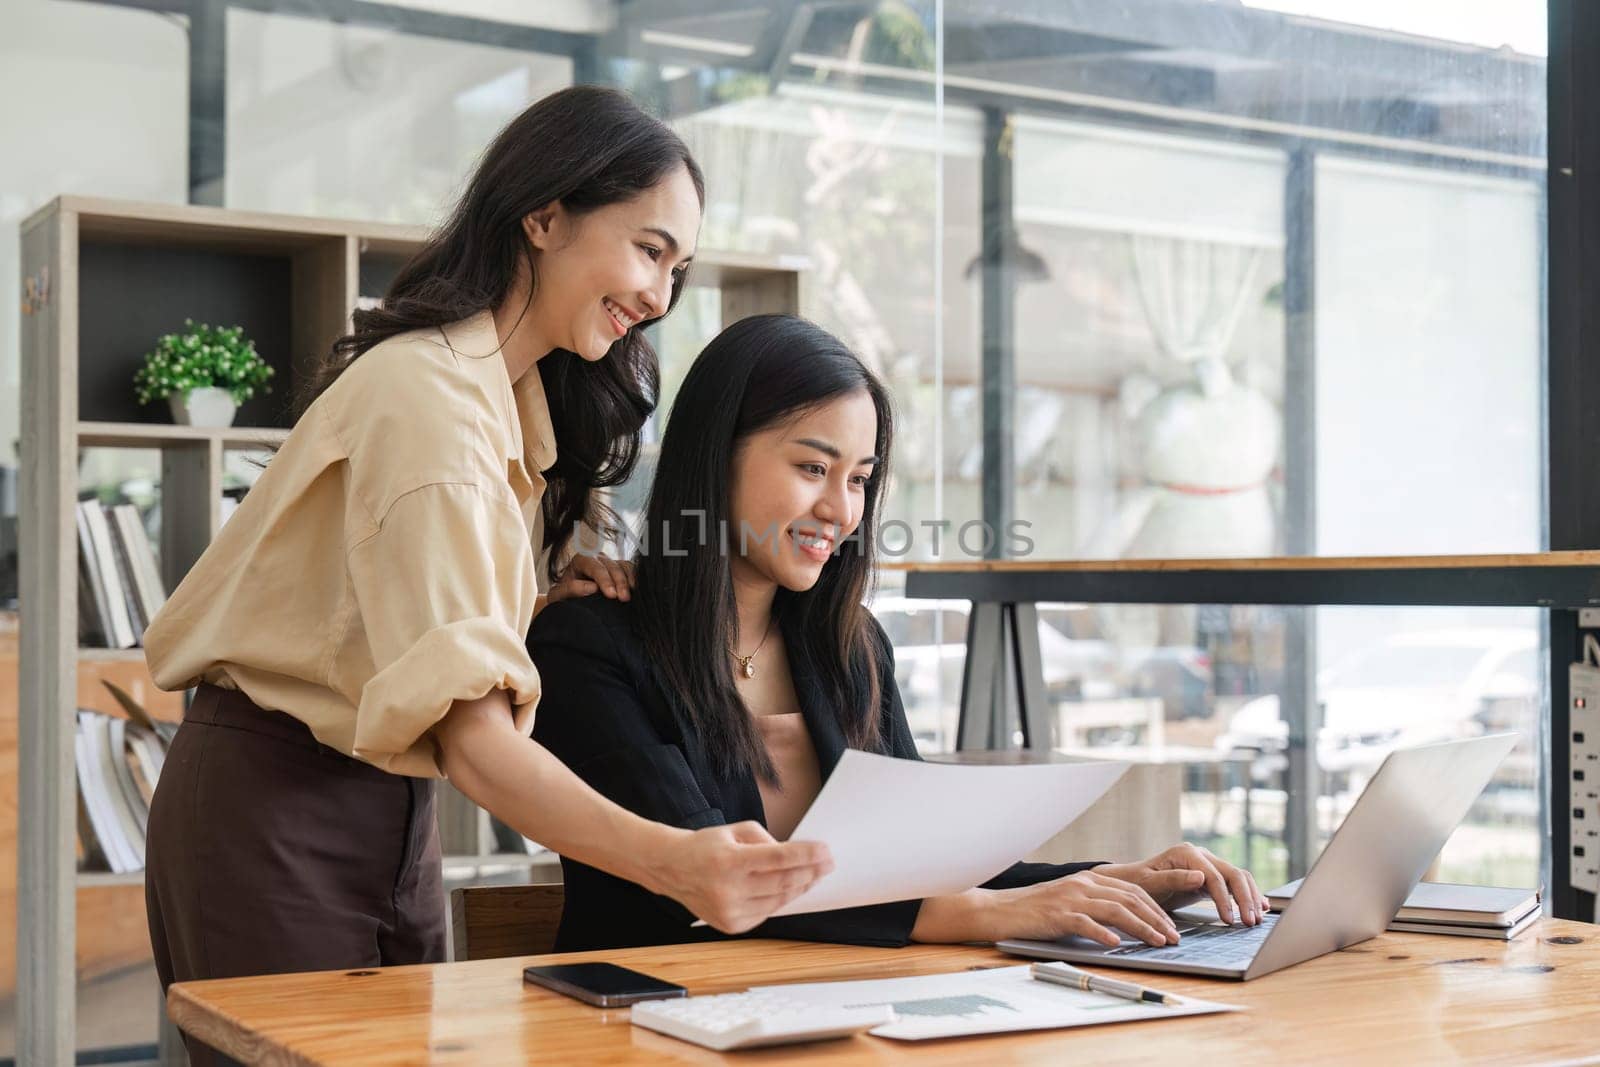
(1399, 998)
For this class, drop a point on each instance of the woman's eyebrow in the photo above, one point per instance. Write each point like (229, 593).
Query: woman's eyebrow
(821, 446)
(830, 451)
(670, 241)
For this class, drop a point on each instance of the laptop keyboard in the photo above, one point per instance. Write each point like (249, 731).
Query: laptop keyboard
(1206, 943)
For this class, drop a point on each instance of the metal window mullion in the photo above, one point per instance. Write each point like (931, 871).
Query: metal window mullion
(1299, 706)
(997, 268)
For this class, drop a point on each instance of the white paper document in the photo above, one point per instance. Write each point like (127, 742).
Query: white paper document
(901, 829)
(995, 1001)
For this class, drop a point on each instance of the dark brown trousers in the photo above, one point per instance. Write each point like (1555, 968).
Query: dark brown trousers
(269, 852)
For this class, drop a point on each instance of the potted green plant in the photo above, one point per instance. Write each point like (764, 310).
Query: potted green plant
(205, 372)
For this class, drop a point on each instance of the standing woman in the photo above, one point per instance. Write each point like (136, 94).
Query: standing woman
(356, 629)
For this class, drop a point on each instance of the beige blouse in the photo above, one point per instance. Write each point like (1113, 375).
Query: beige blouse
(382, 567)
(795, 759)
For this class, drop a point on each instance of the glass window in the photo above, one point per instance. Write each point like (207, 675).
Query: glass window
(1214, 681)
(847, 180)
(1158, 237)
(1276, 290)
(1154, 324)
(1428, 352)
(356, 122)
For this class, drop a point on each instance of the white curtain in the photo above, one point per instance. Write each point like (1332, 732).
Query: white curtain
(1194, 293)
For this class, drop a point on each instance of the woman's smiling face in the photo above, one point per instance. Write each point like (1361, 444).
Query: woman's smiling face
(607, 271)
(798, 489)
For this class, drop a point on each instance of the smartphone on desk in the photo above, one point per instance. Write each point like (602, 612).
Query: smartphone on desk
(605, 985)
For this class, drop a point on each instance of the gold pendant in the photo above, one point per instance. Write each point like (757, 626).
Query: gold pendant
(747, 667)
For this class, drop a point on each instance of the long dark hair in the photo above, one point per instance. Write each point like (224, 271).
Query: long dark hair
(756, 374)
(586, 147)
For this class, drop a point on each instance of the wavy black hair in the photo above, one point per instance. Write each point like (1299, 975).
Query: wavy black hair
(587, 147)
(758, 373)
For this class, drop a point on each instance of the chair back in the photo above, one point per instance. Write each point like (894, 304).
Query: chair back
(495, 921)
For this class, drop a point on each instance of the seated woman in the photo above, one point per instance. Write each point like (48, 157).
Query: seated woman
(726, 686)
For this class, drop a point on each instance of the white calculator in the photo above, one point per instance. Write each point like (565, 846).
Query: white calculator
(725, 1021)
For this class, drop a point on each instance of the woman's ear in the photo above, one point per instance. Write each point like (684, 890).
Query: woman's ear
(542, 225)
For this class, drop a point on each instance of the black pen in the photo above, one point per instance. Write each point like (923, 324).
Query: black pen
(1068, 975)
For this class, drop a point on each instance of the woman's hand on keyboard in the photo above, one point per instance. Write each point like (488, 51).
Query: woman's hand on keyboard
(1088, 904)
(1186, 873)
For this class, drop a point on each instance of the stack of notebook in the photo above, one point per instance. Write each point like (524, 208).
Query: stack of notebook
(1458, 910)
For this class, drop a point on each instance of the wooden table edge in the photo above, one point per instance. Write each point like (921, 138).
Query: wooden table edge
(226, 1034)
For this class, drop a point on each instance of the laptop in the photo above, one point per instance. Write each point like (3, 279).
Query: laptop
(1352, 892)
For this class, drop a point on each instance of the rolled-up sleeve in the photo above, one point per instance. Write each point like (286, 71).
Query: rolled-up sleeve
(445, 587)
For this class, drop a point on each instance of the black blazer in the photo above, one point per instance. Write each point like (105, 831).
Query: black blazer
(608, 716)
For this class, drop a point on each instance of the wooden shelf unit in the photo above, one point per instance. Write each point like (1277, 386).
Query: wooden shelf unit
(144, 435)
(120, 274)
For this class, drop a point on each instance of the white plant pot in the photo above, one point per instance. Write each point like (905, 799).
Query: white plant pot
(203, 407)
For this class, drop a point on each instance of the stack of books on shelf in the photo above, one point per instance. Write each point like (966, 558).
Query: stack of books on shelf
(1456, 910)
(119, 588)
(118, 761)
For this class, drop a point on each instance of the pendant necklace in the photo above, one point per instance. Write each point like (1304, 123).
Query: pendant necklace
(747, 664)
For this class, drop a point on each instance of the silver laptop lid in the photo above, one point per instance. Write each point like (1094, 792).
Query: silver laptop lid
(1383, 848)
